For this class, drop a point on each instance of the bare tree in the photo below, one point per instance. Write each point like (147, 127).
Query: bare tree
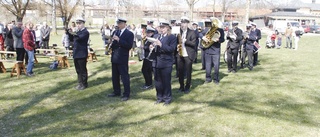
(191, 4)
(16, 7)
(225, 6)
(214, 8)
(54, 25)
(66, 8)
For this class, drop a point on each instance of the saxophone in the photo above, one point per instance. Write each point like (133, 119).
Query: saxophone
(212, 34)
(179, 46)
(141, 48)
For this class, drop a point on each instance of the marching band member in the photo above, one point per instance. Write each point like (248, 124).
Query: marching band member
(258, 34)
(80, 53)
(186, 54)
(207, 24)
(196, 31)
(244, 50)
(234, 36)
(147, 63)
(162, 64)
(150, 24)
(250, 39)
(212, 54)
(121, 45)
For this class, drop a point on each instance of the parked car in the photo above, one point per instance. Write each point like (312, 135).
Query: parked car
(315, 29)
(306, 28)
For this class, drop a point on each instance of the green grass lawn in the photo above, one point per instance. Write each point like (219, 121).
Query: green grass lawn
(280, 97)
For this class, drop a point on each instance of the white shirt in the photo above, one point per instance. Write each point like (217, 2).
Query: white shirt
(122, 30)
(184, 50)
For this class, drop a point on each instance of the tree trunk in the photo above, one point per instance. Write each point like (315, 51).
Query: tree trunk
(19, 19)
(223, 10)
(246, 19)
(191, 11)
(54, 25)
(214, 8)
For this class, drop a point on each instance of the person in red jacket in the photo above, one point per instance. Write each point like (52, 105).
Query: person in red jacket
(29, 45)
(1, 43)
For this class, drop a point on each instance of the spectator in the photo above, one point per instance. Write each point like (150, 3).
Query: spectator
(29, 46)
(9, 40)
(66, 41)
(17, 32)
(288, 34)
(45, 34)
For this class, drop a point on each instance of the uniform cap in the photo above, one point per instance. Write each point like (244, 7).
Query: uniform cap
(235, 23)
(150, 29)
(121, 20)
(185, 19)
(78, 20)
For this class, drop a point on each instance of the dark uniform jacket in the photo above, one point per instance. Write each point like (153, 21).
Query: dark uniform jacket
(80, 49)
(214, 49)
(120, 50)
(190, 43)
(164, 54)
(234, 43)
(250, 40)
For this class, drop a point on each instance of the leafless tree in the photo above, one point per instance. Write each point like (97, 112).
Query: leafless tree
(225, 6)
(246, 18)
(16, 7)
(191, 4)
(66, 8)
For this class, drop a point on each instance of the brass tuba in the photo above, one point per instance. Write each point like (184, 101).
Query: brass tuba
(212, 34)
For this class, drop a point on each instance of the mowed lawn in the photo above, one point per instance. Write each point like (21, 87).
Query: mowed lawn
(280, 97)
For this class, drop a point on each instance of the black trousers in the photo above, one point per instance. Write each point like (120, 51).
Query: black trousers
(243, 57)
(81, 69)
(123, 71)
(45, 44)
(20, 53)
(255, 58)
(162, 80)
(185, 65)
(232, 58)
(212, 61)
(147, 72)
(203, 61)
(250, 55)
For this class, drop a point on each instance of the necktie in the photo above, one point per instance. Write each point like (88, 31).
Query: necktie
(118, 33)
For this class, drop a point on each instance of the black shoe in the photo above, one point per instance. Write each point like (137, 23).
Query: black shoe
(113, 95)
(233, 71)
(186, 91)
(203, 69)
(158, 102)
(166, 103)
(81, 87)
(146, 87)
(206, 82)
(216, 82)
(181, 90)
(124, 98)
(229, 71)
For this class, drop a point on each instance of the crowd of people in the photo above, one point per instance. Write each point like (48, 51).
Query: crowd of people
(24, 39)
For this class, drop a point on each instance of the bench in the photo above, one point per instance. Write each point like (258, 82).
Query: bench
(3, 54)
(63, 61)
(18, 68)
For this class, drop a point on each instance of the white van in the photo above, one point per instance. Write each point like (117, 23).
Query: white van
(281, 25)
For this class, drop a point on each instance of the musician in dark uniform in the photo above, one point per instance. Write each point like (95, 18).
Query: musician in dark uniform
(147, 62)
(258, 34)
(186, 54)
(150, 24)
(207, 25)
(243, 43)
(250, 39)
(212, 54)
(80, 53)
(162, 64)
(121, 45)
(196, 31)
(235, 37)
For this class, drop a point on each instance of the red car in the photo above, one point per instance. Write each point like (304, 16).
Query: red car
(306, 28)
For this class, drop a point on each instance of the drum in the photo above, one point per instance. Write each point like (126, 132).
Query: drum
(226, 56)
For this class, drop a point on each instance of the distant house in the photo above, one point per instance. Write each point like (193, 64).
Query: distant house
(304, 15)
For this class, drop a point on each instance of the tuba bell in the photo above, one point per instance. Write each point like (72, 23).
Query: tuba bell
(212, 34)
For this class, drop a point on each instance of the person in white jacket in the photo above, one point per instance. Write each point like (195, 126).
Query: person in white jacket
(66, 42)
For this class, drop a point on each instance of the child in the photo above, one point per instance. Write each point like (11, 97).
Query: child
(66, 42)
(279, 39)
